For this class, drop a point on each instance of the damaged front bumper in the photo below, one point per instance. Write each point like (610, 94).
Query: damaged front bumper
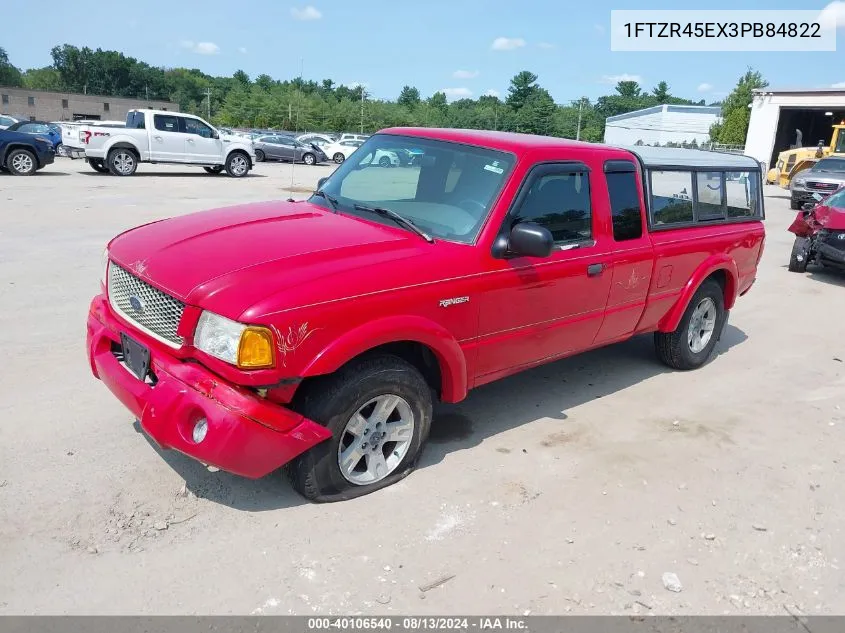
(245, 434)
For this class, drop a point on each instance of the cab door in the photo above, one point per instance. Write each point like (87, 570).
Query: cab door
(200, 144)
(534, 310)
(167, 139)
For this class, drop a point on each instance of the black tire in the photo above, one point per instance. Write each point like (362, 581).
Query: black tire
(98, 165)
(338, 158)
(237, 164)
(122, 161)
(674, 349)
(795, 205)
(333, 400)
(309, 159)
(799, 257)
(259, 156)
(21, 162)
(385, 161)
(214, 170)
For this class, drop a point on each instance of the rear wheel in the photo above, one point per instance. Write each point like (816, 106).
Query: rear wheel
(338, 158)
(237, 165)
(800, 256)
(692, 343)
(21, 162)
(214, 170)
(98, 165)
(122, 162)
(384, 161)
(309, 159)
(379, 411)
(259, 156)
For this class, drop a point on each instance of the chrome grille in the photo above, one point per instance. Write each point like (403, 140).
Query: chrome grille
(153, 311)
(822, 186)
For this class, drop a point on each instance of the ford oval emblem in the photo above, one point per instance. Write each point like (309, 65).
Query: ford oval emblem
(137, 303)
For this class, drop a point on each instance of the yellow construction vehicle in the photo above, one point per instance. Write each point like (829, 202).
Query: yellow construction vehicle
(793, 161)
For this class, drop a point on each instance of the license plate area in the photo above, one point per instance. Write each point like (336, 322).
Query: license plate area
(136, 357)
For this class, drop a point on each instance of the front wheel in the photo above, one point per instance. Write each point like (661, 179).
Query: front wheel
(259, 156)
(692, 343)
(338, 158)
(379, 410)
(21, 162)
(799, 257)
(214, 170)
(237, 165)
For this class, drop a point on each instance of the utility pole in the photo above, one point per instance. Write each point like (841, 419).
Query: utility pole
(147, 92)
(208, 96)
(362, 107)
(299, 94)
(580, 110)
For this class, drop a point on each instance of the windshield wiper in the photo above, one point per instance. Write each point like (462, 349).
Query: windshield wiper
(388, 213)
(331, 199)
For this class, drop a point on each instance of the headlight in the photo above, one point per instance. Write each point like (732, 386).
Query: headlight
(105, 267)
(246, 346)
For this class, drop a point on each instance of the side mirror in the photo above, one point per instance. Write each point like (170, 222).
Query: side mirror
(321, 182)
(215, 134)
(530, 240)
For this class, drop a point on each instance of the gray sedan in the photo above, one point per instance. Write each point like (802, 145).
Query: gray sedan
(286, 148)
(825, 177)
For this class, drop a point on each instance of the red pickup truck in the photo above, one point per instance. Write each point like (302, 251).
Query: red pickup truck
(318, 334)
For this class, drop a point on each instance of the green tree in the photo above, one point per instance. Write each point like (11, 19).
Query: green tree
(46, 78)
(522, 86)
(409, 97)
(733, 126)
(438, 102)
(9, 74)
(661, 92)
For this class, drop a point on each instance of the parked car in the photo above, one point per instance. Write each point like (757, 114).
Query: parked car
(23, 154)
(6, 121)
(819, 233)
(287, 148)
(39, 128)
(353, 137)
(161, 136)
(341, 150)
(824, 177)
(319, 333)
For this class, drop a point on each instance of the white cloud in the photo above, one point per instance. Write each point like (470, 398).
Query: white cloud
(465, 74)
(308, 13)
(833, 14)
(457, 93)
(546, 45)
(838, 86)
(599, 28)
(507, 43)
(200, 48)
(492, 93)
(615, 79)
(705, 87)
(242, 49)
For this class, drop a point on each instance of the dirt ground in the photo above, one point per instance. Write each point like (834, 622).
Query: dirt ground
(572, 488)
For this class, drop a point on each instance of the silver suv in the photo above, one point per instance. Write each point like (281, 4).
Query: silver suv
(825, 177)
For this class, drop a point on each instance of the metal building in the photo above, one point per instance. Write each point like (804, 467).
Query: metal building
(662, 124)
(40, 105)
(781, 119)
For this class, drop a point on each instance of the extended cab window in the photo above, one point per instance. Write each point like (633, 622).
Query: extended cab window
(671, 197)
(709, 202)
(560, 202)
(624, 194)
(742, 191)
(166, 123)
(135, 120)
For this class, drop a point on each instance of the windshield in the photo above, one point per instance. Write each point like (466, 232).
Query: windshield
(840, 142)
(444, 188)
(830, 164)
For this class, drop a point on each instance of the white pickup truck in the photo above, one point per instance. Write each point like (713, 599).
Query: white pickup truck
(160, 136)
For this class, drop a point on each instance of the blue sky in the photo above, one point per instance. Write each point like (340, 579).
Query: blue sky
(467, 47)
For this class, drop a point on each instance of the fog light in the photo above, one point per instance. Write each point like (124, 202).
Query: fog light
(200, 430)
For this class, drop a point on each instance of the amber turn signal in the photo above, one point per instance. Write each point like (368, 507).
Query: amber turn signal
(256, 349)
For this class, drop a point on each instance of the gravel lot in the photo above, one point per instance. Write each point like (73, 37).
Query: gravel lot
(572, 488)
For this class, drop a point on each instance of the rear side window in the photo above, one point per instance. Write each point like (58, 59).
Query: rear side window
(671, 197)
(135, 120)
(624, 200)
(166, 123)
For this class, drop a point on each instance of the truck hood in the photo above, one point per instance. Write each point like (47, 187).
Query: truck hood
(228, 259)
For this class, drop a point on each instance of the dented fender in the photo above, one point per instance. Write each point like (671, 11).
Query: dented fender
(394, 329)
(716, 262)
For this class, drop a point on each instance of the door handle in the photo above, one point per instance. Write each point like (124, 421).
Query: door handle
(594, 270)
(190, 140)
(158, 138)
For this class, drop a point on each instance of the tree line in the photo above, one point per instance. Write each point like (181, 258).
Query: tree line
(305, 105)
